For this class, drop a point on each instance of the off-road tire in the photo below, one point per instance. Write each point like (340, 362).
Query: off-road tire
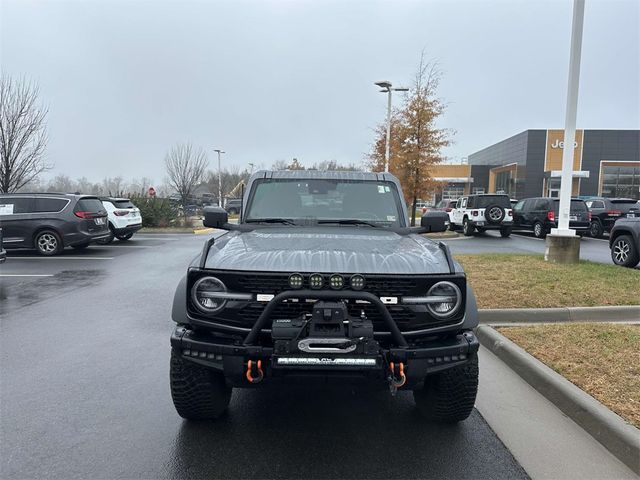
(505, 232)
(595, 229)
(467, 228)
(481, 229)
(123, 237)
(449, 396)
(492, 210)
(197, 392)
(52, 240)
(539, 231)
(624, 252)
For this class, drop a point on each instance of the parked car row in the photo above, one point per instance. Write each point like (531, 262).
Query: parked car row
(593, 216)
(49, 222)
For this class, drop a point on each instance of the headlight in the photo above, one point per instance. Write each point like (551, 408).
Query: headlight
(444, 299)
(208, 294)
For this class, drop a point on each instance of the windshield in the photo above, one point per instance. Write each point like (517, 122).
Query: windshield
(304, 200)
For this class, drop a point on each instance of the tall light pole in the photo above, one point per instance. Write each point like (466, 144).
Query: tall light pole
(387, 88)
(219, 177)
(562, 245)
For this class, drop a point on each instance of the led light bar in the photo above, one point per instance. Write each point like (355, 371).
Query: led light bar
(371, 362)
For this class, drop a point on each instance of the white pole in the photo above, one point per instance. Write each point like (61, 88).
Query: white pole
(387, 145)
(566, 182)
(219, 181)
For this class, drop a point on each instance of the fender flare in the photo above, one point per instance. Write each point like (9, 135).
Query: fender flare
(471, 310)
(179, 308)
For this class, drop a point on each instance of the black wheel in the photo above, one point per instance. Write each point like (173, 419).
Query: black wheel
(197, 392)
(452, 226)
(449, 396)
(595, 229)
(82, 246)
(624, 252)
(505, 232)
(467, 228)
(123, 237)
(539, 231)
(481, 229)
(106, 240)
(494, 214)
(47, 242)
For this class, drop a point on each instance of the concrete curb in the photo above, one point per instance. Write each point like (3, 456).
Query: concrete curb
(617, 436)
(559, 315)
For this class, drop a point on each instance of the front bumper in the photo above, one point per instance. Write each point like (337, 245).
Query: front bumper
(231, 358)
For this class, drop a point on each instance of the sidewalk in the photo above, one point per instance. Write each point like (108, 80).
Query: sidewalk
(543, 440)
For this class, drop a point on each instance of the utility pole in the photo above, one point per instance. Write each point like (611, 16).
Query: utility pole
(563, 246)
(219, 177)
(386, 87)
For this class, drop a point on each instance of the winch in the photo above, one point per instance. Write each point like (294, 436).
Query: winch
(328, 330)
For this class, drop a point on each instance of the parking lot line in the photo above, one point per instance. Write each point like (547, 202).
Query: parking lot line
(60, 258)
(122, 246)
(24, 275)
(530, 238)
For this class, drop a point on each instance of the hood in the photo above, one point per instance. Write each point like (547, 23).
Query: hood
(326, 250)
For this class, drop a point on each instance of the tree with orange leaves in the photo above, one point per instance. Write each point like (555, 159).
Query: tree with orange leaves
(416, 141)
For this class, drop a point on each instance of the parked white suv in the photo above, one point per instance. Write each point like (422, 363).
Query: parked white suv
(124, 219)
(483, 212)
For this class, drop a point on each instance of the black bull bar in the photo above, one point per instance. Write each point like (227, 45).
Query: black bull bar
(263, 319)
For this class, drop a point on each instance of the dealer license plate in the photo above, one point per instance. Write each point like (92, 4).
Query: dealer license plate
(630, 215)
(99, 221)
(572, 218)
(480, 224)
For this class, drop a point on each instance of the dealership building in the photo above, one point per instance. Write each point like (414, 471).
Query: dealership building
(605, 163)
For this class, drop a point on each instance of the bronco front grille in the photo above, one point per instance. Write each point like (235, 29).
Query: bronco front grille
(274, 283)
(407, 317)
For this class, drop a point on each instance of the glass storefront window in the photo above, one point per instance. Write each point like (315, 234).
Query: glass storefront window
(621, 182)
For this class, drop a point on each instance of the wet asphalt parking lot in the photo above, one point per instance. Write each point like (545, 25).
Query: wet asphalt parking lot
(84, 349)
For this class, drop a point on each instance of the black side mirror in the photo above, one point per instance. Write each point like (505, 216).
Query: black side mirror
(215, 217)
(434, 222)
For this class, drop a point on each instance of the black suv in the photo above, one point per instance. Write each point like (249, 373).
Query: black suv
(49, 222)
(605, 212)
(624, 242)
(540, 215)
(324, 281)
(233, 206)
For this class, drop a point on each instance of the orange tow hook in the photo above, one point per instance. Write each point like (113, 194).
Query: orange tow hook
(258, 365)
(402, 379)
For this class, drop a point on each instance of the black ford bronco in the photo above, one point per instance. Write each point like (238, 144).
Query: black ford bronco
(322, 280)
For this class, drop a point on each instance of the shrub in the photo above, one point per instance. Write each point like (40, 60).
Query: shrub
(156, 212)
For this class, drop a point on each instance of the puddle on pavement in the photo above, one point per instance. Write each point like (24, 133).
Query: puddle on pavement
(28, 292)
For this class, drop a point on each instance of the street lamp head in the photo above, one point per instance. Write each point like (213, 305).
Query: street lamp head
(219, 151)
(384, 84)
(400, 89)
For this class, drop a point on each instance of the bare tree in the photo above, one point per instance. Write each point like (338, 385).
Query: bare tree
(23, 136)
(185, 168)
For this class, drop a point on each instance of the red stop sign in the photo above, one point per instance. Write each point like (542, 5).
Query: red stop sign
(152, 192)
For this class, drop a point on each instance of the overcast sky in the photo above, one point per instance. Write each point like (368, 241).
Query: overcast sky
(272, 80)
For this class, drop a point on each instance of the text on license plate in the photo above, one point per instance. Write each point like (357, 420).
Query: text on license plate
(572, 218)
(99, 221)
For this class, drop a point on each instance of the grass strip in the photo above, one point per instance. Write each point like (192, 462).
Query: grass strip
(601, 359)
(527, 281)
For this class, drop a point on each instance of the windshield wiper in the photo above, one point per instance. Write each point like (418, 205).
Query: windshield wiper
(350, 221)
(284, 221)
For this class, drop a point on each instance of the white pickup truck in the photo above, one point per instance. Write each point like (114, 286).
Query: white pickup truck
(482, 212)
